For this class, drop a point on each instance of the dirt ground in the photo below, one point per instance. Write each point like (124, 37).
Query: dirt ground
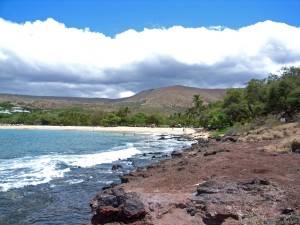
(220, 182)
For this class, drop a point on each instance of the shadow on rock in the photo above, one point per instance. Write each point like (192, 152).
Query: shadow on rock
(115, 205)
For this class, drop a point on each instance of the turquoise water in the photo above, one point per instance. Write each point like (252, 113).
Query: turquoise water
(49, 177)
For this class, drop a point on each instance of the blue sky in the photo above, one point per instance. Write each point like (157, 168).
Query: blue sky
(116, 48)
(114, 16)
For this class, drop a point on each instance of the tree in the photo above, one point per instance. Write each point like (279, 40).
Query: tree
(235, 105)
(96, 117)
(110, 119)
(156, 119)
(283, 91)
(139, 119)
(255, 95)
(198, 105)
(123, 113)
(193, 115)
(218, 120)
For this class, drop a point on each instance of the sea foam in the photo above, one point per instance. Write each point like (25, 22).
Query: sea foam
(20, 172)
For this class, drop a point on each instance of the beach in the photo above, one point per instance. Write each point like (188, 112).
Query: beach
(122, 129)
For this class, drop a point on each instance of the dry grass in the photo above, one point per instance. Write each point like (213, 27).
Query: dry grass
(263, 134)
(273, 133)
(289, 134)
(289, 145)
(250, 138)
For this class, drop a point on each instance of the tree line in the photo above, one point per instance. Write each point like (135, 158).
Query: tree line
(278, 94)
(80, 117)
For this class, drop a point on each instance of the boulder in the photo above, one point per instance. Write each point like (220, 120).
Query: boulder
(176, 154)
(109, 186)
(124, 179)
(208, 153)
(115, 205)
(209, 187)
(132, 207)
(295, 146)
(116, 167)
(219, 201)
(155, 153)
(108, 211)
(230, 138)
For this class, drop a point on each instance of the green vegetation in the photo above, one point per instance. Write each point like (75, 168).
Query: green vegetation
(277, 95)
(5, 105)
(220, 131)
(79, 117)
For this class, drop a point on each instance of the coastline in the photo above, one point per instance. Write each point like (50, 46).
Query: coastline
(122, 129)
(77, 164)
(216, 181)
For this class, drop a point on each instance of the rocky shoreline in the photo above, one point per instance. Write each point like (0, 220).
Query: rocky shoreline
(216, 181)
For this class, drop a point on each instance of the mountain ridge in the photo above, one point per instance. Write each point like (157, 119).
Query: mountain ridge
(171, 98)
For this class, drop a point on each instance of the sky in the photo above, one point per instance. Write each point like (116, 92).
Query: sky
(117, 48)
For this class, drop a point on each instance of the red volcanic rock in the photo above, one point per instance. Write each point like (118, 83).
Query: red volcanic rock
(132, 206)
(108, 211)
(214, 182)
(115, 205)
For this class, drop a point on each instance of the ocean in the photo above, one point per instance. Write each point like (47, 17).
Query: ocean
(49, 177)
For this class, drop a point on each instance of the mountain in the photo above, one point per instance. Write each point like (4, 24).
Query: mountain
(166, 99)
(175, 96)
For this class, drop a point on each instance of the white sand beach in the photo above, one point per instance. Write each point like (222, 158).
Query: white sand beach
(123, 129)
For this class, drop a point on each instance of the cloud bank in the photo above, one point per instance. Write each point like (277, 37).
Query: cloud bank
(48, 58)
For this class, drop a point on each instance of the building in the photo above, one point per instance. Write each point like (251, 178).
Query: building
(18, 109)
(4, 111)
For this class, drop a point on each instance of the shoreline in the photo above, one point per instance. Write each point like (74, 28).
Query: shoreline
(83, 180)
(213, 182)
(190, 132)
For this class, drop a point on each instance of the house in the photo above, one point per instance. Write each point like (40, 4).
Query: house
(18, 109)
(4, 112)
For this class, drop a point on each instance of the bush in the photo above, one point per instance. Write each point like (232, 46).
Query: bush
(295, 145)
(220, 131)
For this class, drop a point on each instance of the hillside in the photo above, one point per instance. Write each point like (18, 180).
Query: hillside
(166, 99)
(175, 96)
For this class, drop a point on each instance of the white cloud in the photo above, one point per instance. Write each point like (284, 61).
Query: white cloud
(46, 57)
(126, 94)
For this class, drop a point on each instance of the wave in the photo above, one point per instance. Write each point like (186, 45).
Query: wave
(21, 172)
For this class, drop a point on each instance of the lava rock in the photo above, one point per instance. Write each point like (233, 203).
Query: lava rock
(116, 167)
(109, 186)
(115, 205)
(156, 153)
(209, 187)
(208, 153)
(176, 154)
(295, 146)
(230, 138)
(124, 179)
(132, 206)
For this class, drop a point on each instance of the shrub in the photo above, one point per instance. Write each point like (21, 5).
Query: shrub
(295, 145)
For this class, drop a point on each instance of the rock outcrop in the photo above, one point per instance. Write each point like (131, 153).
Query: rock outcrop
(215, 182)
(115, 205)
(217, 201)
